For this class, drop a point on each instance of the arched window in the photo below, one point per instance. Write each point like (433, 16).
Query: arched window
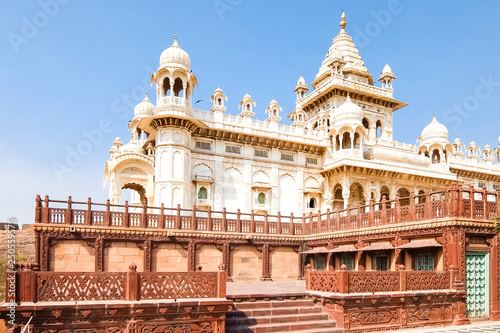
(404, 197)
(366, 124)
(436, 157)
(219, 101)
(202, 193)
(379, 128)
(178, 87)
(261, 199)
(356, 141)
(337, 142)
(166, 86)
(248, 107)
(311, 203)
(346, 140)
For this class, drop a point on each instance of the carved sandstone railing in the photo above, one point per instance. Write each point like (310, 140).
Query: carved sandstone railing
(454, 202)
(26, 284)
(346, 282)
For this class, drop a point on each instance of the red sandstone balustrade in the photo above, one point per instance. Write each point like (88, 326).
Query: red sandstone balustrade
(346, 282)
(454, 201)
(35, 286)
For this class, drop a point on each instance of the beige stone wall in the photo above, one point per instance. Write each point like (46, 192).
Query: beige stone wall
(209, 257)
(284, 264)
(120, 255)
(246, 263)
(72, 256)
(169, 257)
(25, 242)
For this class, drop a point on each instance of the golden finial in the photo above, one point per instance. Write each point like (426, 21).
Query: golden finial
(342, 21)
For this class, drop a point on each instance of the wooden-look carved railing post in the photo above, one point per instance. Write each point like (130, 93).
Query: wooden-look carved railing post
(348, 217)
(343, 280)
(193, 219)
(238, 220)
(486, 213)
(209, 219)
(126, 220)
(266, 223)
(402, 278)
(107, 215)
(358, 219)
(311, 224)
(161, 218)
(221, 282)
(336, 216)
(178, 218)
(498, 202)
(383, 214)
(371, 212)
(318, 222)
(397, 210)
(453, 200)
(144, 215)
(292, 225)
(308, 276)
(278, 231)
(45, 210)
(27, 284)
(12, 283)
(68, 216)
(461, 204)
(252, 222)
(224, 220)
(411, 208)
(132, 286)
(328, 220)
(472, 194)
(88, 213)
(303, 223)
(38, 209)
(428, 205)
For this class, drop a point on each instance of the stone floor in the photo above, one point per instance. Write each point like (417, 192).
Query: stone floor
(245, 288)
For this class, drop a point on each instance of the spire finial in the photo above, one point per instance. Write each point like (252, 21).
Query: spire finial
(342, 22)
(175, 41)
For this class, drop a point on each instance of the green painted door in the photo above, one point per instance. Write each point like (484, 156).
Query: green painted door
(477, 284)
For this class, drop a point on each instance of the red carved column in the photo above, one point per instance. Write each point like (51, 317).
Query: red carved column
(191, 249)
(226, 258)
(147, 255)
(98, 246)
(38, 209)
(221, 279)
(495, 278)
(266, 272)
(44, 253)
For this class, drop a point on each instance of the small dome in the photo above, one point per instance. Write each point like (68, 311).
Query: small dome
(348, 113)
(387, 69)
(434, 132)
(247, 96)
(175, 56)
(144, 108)
(301, 81)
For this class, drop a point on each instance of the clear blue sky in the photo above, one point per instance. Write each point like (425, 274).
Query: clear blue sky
(65, 70)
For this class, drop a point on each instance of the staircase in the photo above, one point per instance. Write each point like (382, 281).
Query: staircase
(278, 316)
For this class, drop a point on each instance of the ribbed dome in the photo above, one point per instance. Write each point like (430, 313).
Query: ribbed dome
(347, 114)
(434, 132)
(387, 69)
(175, 56)
(132, 147)
(144, 108)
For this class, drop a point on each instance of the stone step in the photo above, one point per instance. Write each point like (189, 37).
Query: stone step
(272, 304)
(305, 326)
(249, 321)
(273, 311)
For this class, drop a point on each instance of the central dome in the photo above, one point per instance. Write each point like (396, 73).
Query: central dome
(175, 56)
(434, 132)
(348, 113)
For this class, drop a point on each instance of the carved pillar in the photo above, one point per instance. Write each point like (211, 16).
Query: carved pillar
(495, 278)
(98, 245)
(44, 253)
(266, 271)
(191, 254)
(226, 258)
(146, 247)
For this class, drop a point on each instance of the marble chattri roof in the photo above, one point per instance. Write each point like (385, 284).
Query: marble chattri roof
(175, 56)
